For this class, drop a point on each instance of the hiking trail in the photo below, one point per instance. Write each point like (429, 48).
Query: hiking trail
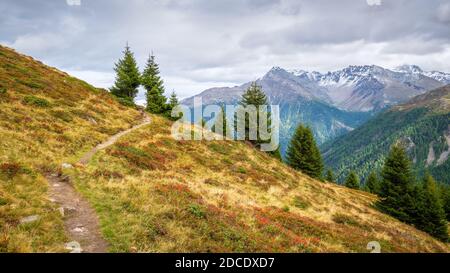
(80, 219)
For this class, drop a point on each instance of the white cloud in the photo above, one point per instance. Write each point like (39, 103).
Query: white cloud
(373, 2)
(95, 78)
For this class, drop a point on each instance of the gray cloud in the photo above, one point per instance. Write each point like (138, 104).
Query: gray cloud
(202, 43)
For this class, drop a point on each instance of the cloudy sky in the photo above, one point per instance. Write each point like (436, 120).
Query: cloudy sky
(206, 43)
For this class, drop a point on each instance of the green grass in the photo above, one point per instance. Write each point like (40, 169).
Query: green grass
(36, 101)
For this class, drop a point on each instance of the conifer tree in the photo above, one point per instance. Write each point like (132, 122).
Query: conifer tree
(330, 176)
(254, 95)
(352, 181)
(396, 188)
(127, 76)
(173, 102)
(372, 183)
(445, 196)
(153, 84)
(221, 120)
(303, 154)
(432, 212)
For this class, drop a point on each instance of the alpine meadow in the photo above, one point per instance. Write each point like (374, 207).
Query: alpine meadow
(224, 128)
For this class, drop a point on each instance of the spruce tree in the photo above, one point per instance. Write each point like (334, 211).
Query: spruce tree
(372, 184)
(127, 76)
(173, 102)
(221, 119)
(255, 96)
(330, 176)
(303, 154)
(396, 188)
(433, 215)
(352, 181)
(445, 196)
(153, 84)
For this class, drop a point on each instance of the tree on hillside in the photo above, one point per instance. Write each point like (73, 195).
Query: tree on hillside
(330, 176)
(173, 102)
(396, 188)
(127, 76)
(432, 212)
(445, 196)
(221, 119)
(303, 154)
(352, 181)
(153, 84)
(255, 96)
(372, 183)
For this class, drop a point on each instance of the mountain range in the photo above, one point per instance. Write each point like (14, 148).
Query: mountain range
(422, 125)
(332, 103)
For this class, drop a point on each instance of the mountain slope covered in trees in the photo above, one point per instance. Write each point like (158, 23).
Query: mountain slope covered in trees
(422, 125)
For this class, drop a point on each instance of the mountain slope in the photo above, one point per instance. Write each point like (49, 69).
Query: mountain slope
(422, 124)
(46, 118)
(153, 193)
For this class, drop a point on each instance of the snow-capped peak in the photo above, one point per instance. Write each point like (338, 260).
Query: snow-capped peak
(410, 69)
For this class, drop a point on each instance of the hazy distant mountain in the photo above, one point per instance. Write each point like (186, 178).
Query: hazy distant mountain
(335, 102)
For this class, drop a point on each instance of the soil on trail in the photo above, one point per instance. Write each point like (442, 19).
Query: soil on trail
(88, 156)
(80, 220)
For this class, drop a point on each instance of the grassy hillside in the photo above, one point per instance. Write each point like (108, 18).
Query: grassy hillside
(46, 118)
(423, 125)
(153, 193)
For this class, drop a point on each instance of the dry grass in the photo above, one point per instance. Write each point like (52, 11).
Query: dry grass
(155, 194)
(162, 195)
(46, 118)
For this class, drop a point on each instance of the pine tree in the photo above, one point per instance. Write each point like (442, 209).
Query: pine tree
(352, 181)
(372, 183)
(173, 101)
(396, 188)
(153, 84)
(445, 196)
(255, 96)
(433, 215)
(303, 154)
(330, 176)
(221, 119)
(127, 76)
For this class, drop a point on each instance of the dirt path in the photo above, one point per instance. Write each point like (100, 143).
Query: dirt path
(88, 156)
(80, 220)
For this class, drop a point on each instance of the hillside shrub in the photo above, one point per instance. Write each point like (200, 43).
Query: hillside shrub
(36, 101)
